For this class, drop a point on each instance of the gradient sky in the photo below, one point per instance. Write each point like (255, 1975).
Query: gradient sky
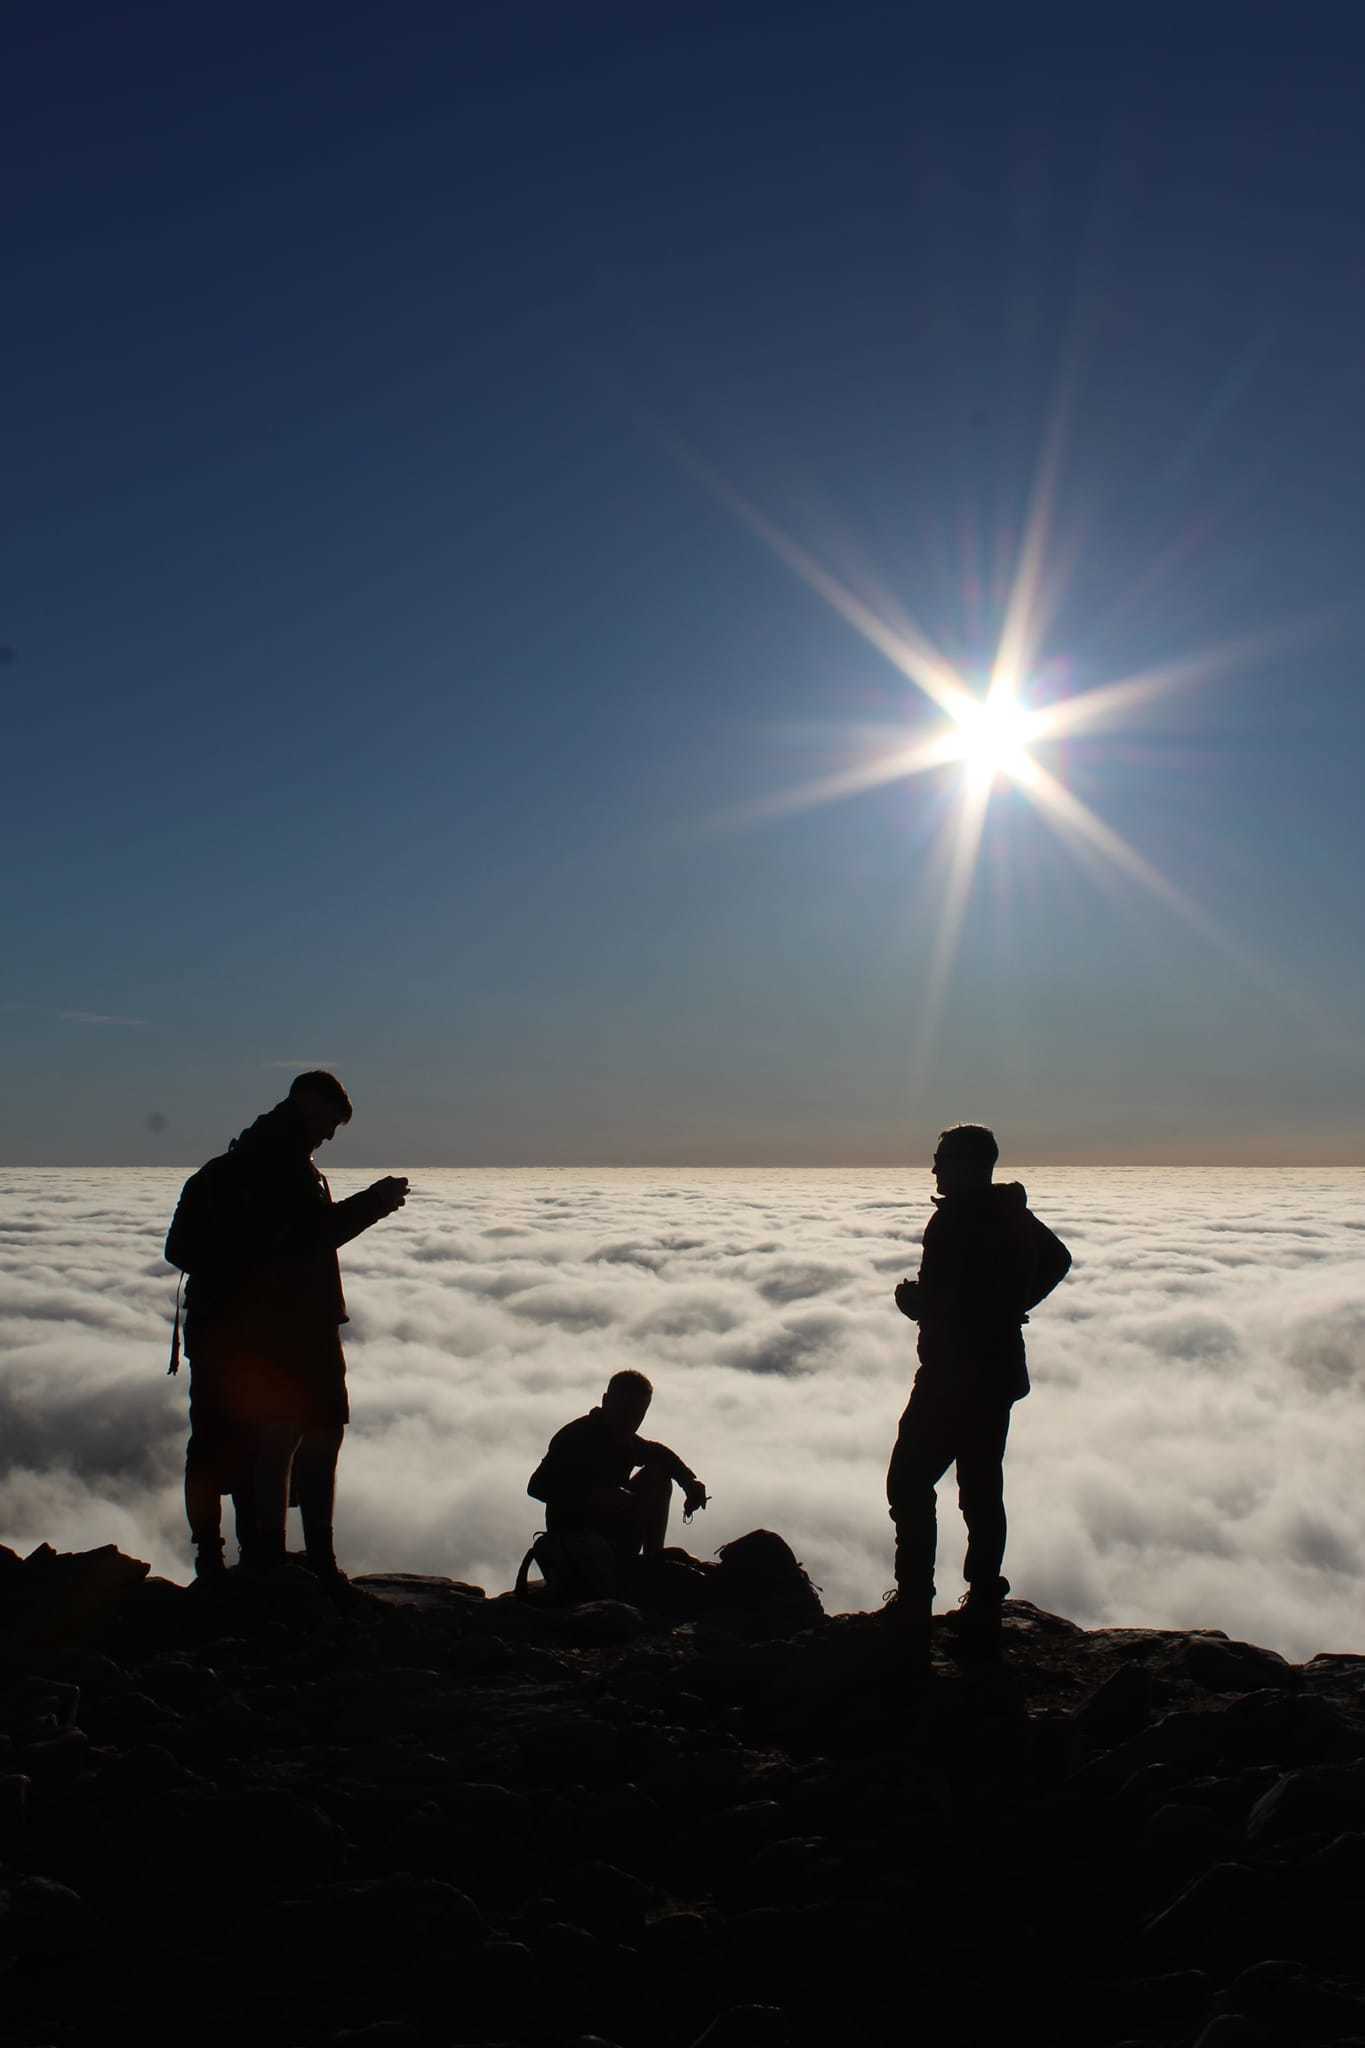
(390, 679)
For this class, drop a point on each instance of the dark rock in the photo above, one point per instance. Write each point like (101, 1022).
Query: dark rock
(1179, 1840)
(1233, 2030)
(1339, 1867)
(747, 2026)
(599, 1622)
(15, 1789)
(610, 1902)
(1224, 1916)
(59, 1760)
(564, 1746)
(1308, 1802)
(678, 1940)
(443, 1598)
(1167, 2001)
(426, 1816)
(385, 1927)
(44, 1920)
(1293, 2003)
(67, 1596)
(1211, 1661)
(1339, 1669)
(1117, 1709)
(381, 2034)
(1323, 1732)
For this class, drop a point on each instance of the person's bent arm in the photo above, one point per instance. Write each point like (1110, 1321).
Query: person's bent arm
(325, 1226)
(1052, 1263)
(347, 1219)
(694, 1493)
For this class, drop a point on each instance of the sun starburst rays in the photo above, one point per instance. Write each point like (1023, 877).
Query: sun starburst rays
(993, 733)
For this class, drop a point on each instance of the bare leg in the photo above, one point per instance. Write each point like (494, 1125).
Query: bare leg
(652, 1488)
(203, 1511)
(276, 1444)
(315, 1477)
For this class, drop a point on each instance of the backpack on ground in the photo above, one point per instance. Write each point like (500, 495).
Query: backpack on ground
(761, 1576)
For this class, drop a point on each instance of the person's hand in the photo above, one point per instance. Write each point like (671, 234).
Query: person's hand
(392, 1192)
(694, 1497)
(907, 1299)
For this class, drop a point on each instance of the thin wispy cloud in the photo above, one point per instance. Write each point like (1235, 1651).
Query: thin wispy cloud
(74, 1016)
(1189, 1455)
(101, 1017)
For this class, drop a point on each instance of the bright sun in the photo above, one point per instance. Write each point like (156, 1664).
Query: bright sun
(992, 737)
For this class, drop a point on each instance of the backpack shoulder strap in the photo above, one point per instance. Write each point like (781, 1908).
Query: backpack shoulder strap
(174, 1365)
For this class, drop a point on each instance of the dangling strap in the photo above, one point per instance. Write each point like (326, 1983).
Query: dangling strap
(521, 1589)
(174, 1365)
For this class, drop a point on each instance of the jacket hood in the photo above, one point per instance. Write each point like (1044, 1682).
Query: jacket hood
(1010, 1195)
(278, 1129)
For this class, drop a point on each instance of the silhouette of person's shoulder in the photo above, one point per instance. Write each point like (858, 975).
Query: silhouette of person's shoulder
(582, 1429)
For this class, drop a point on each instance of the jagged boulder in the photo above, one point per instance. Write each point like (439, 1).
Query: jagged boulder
(66, 1596)
(1318, 1801)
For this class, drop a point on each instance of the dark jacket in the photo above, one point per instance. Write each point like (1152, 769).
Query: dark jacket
(589, 1454)
(257, 1231)
(986, 1261)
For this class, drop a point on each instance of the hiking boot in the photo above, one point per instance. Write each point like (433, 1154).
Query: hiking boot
(208, 1558)
(332, 1580)
(909, 1622)
(323, 1565)
(976, 1625)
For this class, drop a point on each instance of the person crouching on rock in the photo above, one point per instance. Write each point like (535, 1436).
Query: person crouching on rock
(600, 1478)
(986, 1261)
(256, 1231)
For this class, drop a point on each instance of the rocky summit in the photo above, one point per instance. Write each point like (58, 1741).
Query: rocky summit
(265, 1812)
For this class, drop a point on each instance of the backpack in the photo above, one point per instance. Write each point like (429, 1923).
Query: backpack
(761, 1574)
(575, 1564)
(190, 1239)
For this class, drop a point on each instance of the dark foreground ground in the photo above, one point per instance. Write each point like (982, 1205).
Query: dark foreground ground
(429, 1817)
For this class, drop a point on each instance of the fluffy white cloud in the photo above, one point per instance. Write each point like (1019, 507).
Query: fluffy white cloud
(1190, 1454)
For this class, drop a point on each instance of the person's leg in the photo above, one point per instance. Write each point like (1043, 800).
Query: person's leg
(925, 1446)
(315, 1476)
(981, 1496)
(276, 1443)
(203, 1509)
(652, 1489)
(244, 1505)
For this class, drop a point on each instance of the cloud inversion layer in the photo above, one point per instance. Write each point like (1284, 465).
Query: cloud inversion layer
(1189, 1455)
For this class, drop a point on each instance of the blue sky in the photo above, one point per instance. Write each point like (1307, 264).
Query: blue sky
(389, 682)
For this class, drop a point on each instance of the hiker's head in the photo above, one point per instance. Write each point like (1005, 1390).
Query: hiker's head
(964, 1158)
(321, 1104)
(626, 1400)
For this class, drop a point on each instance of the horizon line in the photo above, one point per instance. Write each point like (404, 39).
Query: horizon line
(911, 1166)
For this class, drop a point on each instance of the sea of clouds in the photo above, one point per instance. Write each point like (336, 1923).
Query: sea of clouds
(1191, 1453)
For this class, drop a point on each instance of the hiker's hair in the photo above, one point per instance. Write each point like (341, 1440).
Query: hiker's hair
(630, 1382)
(972, 1142)
(320, 1082)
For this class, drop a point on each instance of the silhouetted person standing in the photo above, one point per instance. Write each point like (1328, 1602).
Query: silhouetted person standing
(257, 1232)
(600, 1477)
(986, 1261)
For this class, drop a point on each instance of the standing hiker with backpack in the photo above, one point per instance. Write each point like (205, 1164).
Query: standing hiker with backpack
(256, 1232)
(986, 1261)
